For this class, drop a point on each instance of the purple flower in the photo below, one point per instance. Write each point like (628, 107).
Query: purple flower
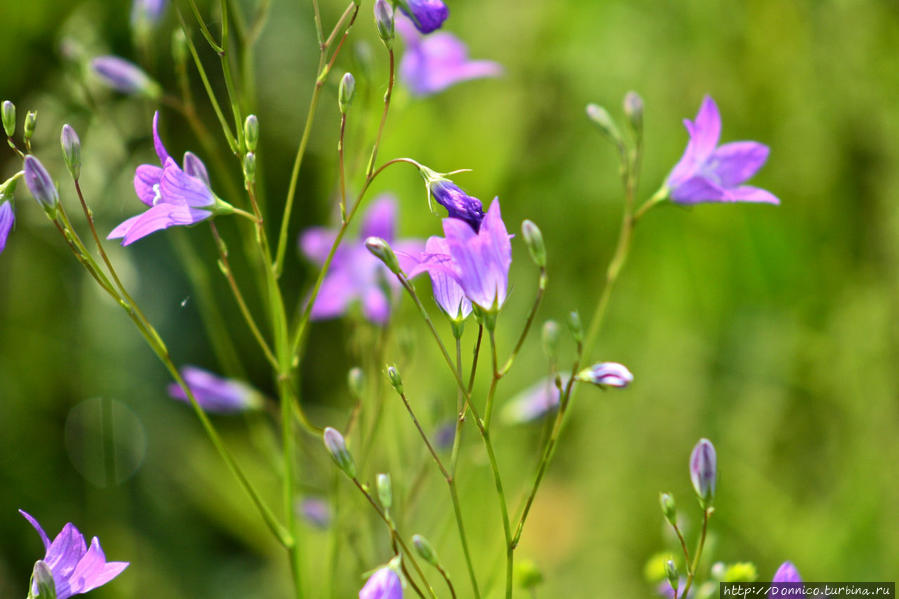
(711, 173)
(124, 76)
(786, 577)
(150, 11)
(7, 220)
(76, 568)
(383, 584)
(355, 274)
(40, 184)
(316, 512)
(435, 62)
(478, 261)
(457, 203)
(664, 589)
(216, 394)
(611, 374)
(533, 403)
(175, 196)
(447, 292)
(703, 469)
(426, 15)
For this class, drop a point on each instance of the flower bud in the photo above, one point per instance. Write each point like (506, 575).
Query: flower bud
(633, 110)
(384, 21)
(346, 91)
(382, 251)
(71, 150)
(600, 117)
(703, 471)
(356, 382)
(385, 491)
(249, 167)
(672, 574)
(666, 500)
(426, 15)
(336, 446)
(251, 132)
(42, 577)
(551, 338)
(8, 112)
(40, 184)
(395, 379)
(602, 374)
(30, 124)
(425, 550)
(534, 240)
(124, 76)
(575, 326)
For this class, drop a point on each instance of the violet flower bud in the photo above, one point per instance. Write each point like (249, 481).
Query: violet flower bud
(8, 112)
(249, 167)
(345, 92)
(424, 548)
(575, 326)
(71, 150)
(458, 204)
(395, 379)
(124, 76)
(533, 238)
(42, 580)
(41, 185)
(385, 583)
(427, 15)
(384, 21)
(385, 490)
(600, 117)
(383, 252)
(356, 382)
(633, 110)
(703, 470)
(251, 132)
(551, 338)
(30, 124)
(336, 446)
(666, 500)
(606, 374)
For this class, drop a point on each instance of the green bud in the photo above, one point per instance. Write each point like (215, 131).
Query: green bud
(356, 382)
(249, 167)
(8, 112)
(633, 110)
(346, 91)
(534, 240)
(600, 117)
(575, 326)
(382, 251)
(395, 379)
(251, 132)
(527, 574)
(384, 21)
(654, 571)
(336, 446)
(42, 577)
(666, 500)
(551, 339)
(30, 124)
(425, 550)
(71, 150)
(672, 574)
(179, 46)
(385, 490)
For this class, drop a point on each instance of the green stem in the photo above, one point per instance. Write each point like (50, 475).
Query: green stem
(541, 290)
(691, 575)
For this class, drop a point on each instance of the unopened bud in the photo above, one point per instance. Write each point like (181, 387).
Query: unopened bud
(356, 382)
(551, 338)
(384, 21)
(336, 446)
(534, 240)
(393, 375)
(8, 112)
(575, 326)
(71, 150)
(703, 470)
(249, 167)
(606, 374)
(424, 548)
(385, 491)
(251, 132)
(382, 251)
(346, 91)
(666, 500)
(40, 184)
(600, 117)
(42, 577)
(633, 110)
(30, 124)
(672, 574)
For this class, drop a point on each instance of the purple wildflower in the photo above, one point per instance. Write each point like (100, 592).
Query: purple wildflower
(703, 469)
(149, 11)
(458, 204)
(786, 577)
(175, 196)
(40, 184)
(711, 173)
(316, 512)
(7, 220)
(426, 15)
(433, 63)
(356, 274)
(76, 568)
(606, 374)
(216, 394)
(533, 403)
(383, 584)
(124, 76)
(447, 292)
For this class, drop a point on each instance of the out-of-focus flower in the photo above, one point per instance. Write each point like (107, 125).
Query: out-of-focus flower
(533, 403)
(606, 374)
(174, 196)
(703, 470)
(316, 512)
(435, 62)
(786, 579)
(76, 568)
(426, 15)
(355, 274)
(147, 11)
(383, 584)
(124, 76)
(7, 220)
(444, 436)
(214, 393)
(711, 173)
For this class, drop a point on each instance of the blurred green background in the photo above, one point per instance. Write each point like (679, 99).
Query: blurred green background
(771, 331)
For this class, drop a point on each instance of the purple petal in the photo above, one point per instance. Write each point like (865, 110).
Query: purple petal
(706, 129)
(157, 142)
(787, 572)
(65, 551)
(31, 519)
(698, 189)
(747, 193)
(482, 259)
(177, 187)
(440, 61)
(93, 570)
(214, 393)
(736, 162)
(316, 242)
(383, 584)
(7, 220)
(161, 216)
(786, 582)
(380, 219)
(194, 167)
(337, 291)
(532, 403)
(376, 305)
(447, 292)
(120, 74)
(427, 15)
(146, 183)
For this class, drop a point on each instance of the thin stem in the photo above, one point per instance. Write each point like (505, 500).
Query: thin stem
(707, 512)
(683, 543)
(541, 290)
(342, 171)
(387, 95)
(474, 359)
(203, 28)
(491, 393)
(449, 583)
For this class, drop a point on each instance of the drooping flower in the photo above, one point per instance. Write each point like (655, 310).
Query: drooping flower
(355, 274)
(76, 568)
(711, 173)
(703, 469)
(385, 583)
(533, 403)
(606, 374)
(175, 196)
(7, 220)
(786, 577)
(124, 76)
(435, 62)
(458, 204)
(426, 15)
(214, 393)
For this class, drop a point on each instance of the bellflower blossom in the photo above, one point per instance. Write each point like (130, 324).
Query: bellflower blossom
(383, 584)
(435, 62)
(7, 220)
(355, 274)
(458, 204)
(76, 568)
(216, 394)
(711, 173)
(447, 292)
(426, 15)
(786, 577)
(175, 196)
